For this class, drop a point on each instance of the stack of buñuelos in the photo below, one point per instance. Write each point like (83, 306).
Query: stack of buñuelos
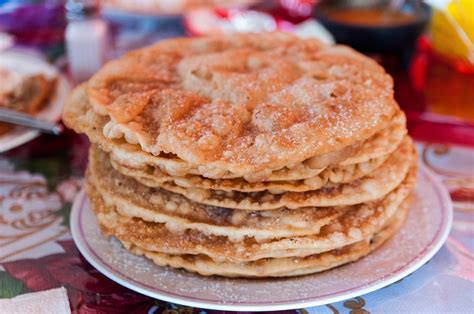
(251, 155)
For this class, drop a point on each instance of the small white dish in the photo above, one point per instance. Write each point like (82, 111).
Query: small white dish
(423, 234)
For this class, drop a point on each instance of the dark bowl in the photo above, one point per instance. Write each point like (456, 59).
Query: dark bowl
(374, 39)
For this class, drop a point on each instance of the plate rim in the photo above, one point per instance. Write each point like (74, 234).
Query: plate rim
(427, 253)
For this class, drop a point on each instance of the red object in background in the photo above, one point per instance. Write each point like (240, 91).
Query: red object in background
(293, 11)
(438, 98)
(282, 15)
(463, 194)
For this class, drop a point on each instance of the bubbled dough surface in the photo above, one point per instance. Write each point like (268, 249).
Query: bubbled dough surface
(243, 103)
(277, 267)
(132, 199)
(350, 228)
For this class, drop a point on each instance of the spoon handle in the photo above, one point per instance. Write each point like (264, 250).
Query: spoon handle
(22, 119)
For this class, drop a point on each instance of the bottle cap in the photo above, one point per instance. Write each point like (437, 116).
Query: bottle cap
(81, 9)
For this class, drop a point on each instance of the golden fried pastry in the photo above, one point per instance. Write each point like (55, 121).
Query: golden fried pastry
(189, 249)
(242, 104)
(372, 186)
(246, 155)
(280, 267)
(79, 116)
(132, 199)
(353, 226)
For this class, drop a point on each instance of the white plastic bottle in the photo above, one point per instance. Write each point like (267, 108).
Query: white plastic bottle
(86, 39)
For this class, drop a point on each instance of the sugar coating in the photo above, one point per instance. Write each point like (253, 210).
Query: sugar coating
(243, 103)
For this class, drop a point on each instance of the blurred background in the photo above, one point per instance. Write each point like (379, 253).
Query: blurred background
(427, 46)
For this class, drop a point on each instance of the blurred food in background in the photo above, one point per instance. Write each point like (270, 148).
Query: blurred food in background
(171, 7)
(23, 88)
(452, 32)
(264, 16)
(442, 70)
(374, 17)
(437, 85)
(375, 26)
(427, 46)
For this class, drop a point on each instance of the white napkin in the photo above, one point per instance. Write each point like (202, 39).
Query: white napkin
(47, 302)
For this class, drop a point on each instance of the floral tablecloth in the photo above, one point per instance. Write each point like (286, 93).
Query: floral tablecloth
(38, 182)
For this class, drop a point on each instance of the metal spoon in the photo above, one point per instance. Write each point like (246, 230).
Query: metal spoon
(18, 118)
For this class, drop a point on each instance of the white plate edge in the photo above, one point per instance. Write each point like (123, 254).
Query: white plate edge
(446, 227)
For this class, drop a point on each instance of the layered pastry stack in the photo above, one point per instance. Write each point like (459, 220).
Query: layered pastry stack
(245, 155)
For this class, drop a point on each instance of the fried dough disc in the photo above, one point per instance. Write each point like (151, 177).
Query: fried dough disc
(374, 185)
(353, 226)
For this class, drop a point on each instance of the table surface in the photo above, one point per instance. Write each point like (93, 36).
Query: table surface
(39, 180)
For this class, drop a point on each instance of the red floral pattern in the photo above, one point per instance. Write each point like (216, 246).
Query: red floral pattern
(88, 290)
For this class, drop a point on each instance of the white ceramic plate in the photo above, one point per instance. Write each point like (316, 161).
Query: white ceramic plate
(30, 63)
(419, 239)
